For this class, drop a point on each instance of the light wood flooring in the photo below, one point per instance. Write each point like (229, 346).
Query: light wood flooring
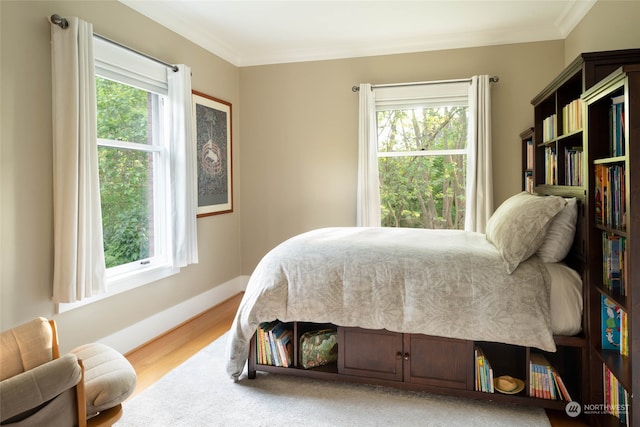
(158, 357)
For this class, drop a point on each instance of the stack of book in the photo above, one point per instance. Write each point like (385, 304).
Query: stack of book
(572, 117)
(610, 199)
(484, 372)
(550, 166)
(614, 263)
(274, 344)
(616, 398)
(573, 163)
(544, 381)
(549, 126)
(615, 334)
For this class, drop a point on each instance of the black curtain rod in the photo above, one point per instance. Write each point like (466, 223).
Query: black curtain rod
(492, 79)
(63, 23)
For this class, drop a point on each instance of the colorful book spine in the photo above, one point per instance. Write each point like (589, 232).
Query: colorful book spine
(614, 327)
(616, 398)
(544, 380)
(484, 372)
(274, 344)
(610, 203)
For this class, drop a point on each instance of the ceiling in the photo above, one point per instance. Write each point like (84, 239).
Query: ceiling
(247, 33)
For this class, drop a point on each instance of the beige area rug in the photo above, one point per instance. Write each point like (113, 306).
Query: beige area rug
(199, 393)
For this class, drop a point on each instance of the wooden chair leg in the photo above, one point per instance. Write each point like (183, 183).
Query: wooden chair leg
(106, 418)
(81, 400)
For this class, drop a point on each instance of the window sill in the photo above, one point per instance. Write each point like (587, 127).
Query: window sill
(122, 283)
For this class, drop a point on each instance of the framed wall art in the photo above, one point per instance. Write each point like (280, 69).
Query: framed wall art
(212, 131)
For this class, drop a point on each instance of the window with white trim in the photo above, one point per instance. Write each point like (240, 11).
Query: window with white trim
(134, 165)
(422, 155)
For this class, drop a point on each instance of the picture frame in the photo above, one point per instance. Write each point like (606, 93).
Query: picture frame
(212, 126)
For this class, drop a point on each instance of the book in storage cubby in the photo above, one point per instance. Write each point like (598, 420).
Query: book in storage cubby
(260, 360)
(613, 236)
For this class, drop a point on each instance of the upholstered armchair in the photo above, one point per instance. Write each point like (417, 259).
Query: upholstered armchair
(38, 387)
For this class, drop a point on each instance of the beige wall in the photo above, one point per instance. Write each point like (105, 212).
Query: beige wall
(299, 128)
(295, 145)
(300, 125)
(609, 25)
(26, 174)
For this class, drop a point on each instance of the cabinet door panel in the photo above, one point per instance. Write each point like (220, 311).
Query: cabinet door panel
(370, 353)
(439, 361)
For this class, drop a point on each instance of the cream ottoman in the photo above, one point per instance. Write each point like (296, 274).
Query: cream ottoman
(109, 378)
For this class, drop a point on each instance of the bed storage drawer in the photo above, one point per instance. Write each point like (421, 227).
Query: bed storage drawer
(370, 353)
(436, 361)
(412, 358)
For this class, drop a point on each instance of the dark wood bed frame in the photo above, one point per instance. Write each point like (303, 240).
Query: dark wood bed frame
(444, 365)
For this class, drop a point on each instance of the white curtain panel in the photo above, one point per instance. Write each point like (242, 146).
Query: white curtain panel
(479, 205)
(79, 267)
(183, 169)
(368, 193)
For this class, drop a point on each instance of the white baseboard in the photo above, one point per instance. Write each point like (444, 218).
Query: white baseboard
(136, 335)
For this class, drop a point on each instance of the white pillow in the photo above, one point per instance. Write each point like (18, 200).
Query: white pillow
(566, 299)
(559, 238)
(518, 227)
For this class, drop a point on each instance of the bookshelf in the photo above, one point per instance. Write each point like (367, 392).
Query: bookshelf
(560, 156)
(612, 133)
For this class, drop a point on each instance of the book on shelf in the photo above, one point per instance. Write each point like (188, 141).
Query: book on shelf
(610, 198)
(549, 128)
(614, 327)
(528, 181)
(484, 372)
(274, 345)
(617, 136)
(529, 154)
(573, 161)
(616, 397)
(572, 117)
(614, 263)
(544, 381)
(550, 166)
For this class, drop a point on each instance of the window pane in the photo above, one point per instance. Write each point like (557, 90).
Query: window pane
(127, 204)
(123, 112)
(418, 129)
(423, 191)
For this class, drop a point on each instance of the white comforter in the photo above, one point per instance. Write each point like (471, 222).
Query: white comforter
(446, 283)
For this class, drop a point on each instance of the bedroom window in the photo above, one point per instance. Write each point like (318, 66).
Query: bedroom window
(133, 166)
(422, 155)
(124, 167)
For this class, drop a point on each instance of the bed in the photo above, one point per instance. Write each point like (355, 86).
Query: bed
(506, 286)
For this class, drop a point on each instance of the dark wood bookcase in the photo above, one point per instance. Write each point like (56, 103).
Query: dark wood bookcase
(614, 216)
(594, 79)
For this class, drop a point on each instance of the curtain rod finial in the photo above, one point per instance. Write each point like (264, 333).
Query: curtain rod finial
(59, 21)
(355, 89)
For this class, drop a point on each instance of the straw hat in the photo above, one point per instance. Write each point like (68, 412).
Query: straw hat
(508, 385)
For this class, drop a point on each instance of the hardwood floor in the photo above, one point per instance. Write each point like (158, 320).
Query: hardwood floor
(158, 357)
